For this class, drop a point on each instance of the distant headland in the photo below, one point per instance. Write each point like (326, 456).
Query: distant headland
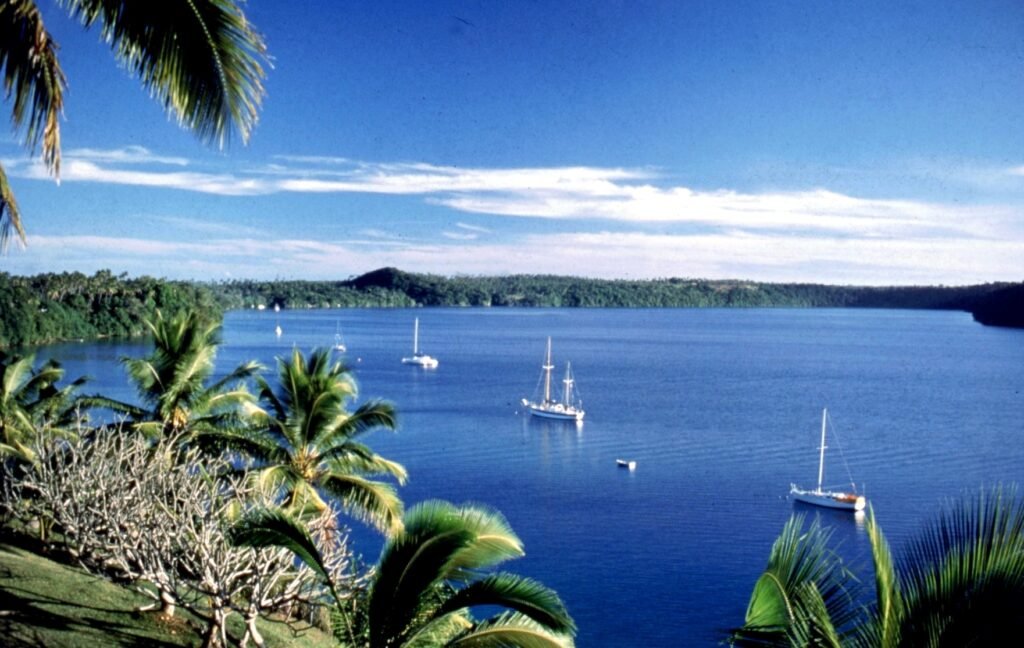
(72, 306)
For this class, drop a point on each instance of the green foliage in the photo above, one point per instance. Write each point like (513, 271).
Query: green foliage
(803, 597)
(50, 308)
(305, 445)
(392, 287)
(69, 306)
(31, 404)
(173, 381)
(959, 583)
(429, 577)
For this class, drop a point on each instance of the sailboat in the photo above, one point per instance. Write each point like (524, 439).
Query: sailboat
(417, 357)
(277, 329)
(339, 342)
(568, 408)
(831, 499)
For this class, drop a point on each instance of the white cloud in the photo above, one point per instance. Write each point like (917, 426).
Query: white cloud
(737, 255)
(124, 155)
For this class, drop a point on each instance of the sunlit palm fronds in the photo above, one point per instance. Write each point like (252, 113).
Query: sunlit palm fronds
(804, 592)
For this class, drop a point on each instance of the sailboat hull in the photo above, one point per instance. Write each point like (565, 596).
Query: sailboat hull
(556, 411)
(829, 499)
(424, 361)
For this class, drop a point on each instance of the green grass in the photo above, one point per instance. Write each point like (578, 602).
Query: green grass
(44, 603)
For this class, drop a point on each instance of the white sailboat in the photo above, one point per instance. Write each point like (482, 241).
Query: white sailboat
(831, 499)
(277, 329)
(418, 358)
(568, 408)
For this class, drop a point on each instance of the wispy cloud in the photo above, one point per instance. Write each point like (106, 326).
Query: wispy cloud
(562, 193)
(206, 226)
(124, 155)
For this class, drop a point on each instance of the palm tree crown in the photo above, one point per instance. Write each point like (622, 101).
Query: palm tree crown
(31, 403)
(200, 58)
(306, 443)
(172, 380)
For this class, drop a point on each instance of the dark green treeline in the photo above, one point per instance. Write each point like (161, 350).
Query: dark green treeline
(68, 306)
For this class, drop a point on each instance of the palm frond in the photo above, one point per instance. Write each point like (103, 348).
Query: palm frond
(357, 459)
(373, 502)
(369, 416)
(963, 577)
(511, 629)
(412, 564)
(266, 527)
(493, 542)
(200, 58)
(10, 215)
(33, 77)
(801, 569)
(525, 595)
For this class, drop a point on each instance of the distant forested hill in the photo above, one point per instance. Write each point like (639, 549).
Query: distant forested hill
(53, 307)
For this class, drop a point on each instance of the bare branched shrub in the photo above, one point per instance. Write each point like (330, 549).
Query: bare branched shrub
(157, 515)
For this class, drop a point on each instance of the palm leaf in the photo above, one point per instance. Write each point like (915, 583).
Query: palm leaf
(412, 564)
(200, 58)
(10, 215)
(963, 577)
(511, 630)
(265, 527)
(32, 76)
(530, 598)
(357, 459)
(493, 542)
(785, 602)
(373, 502)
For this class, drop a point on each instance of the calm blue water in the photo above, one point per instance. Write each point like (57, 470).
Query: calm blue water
(720, 408)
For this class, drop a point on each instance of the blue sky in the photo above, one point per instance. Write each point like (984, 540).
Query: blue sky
(839, 142)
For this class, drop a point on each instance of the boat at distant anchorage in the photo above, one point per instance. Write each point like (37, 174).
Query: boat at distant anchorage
(827, 498)
(417, 357)
(626, 463)
(568, 408)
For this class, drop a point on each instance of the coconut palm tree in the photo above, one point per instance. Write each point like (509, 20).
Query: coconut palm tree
(172, 381)
(200, 58)
(959, 583)
(31, 403)
(306, 445)
(429, 577)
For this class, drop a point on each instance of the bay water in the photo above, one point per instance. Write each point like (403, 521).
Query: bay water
(720, 409)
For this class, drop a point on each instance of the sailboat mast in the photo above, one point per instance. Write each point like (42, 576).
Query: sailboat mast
(821, 458)
(416, 337)
(547, 373)
(567, 388)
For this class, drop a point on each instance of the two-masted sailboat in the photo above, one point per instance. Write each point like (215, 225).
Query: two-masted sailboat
(828, 498)
(417, 357)
(568, 408)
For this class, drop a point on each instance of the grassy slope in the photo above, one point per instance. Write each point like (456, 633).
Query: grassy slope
(43, 603)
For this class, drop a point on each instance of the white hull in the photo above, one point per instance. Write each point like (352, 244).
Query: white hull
(417, 358)
(828, 499)
(555, 411)
(625, 463)
(424, 361)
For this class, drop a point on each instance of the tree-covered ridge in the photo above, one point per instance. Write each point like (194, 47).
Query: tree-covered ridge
(70, 306)
(392, 287)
